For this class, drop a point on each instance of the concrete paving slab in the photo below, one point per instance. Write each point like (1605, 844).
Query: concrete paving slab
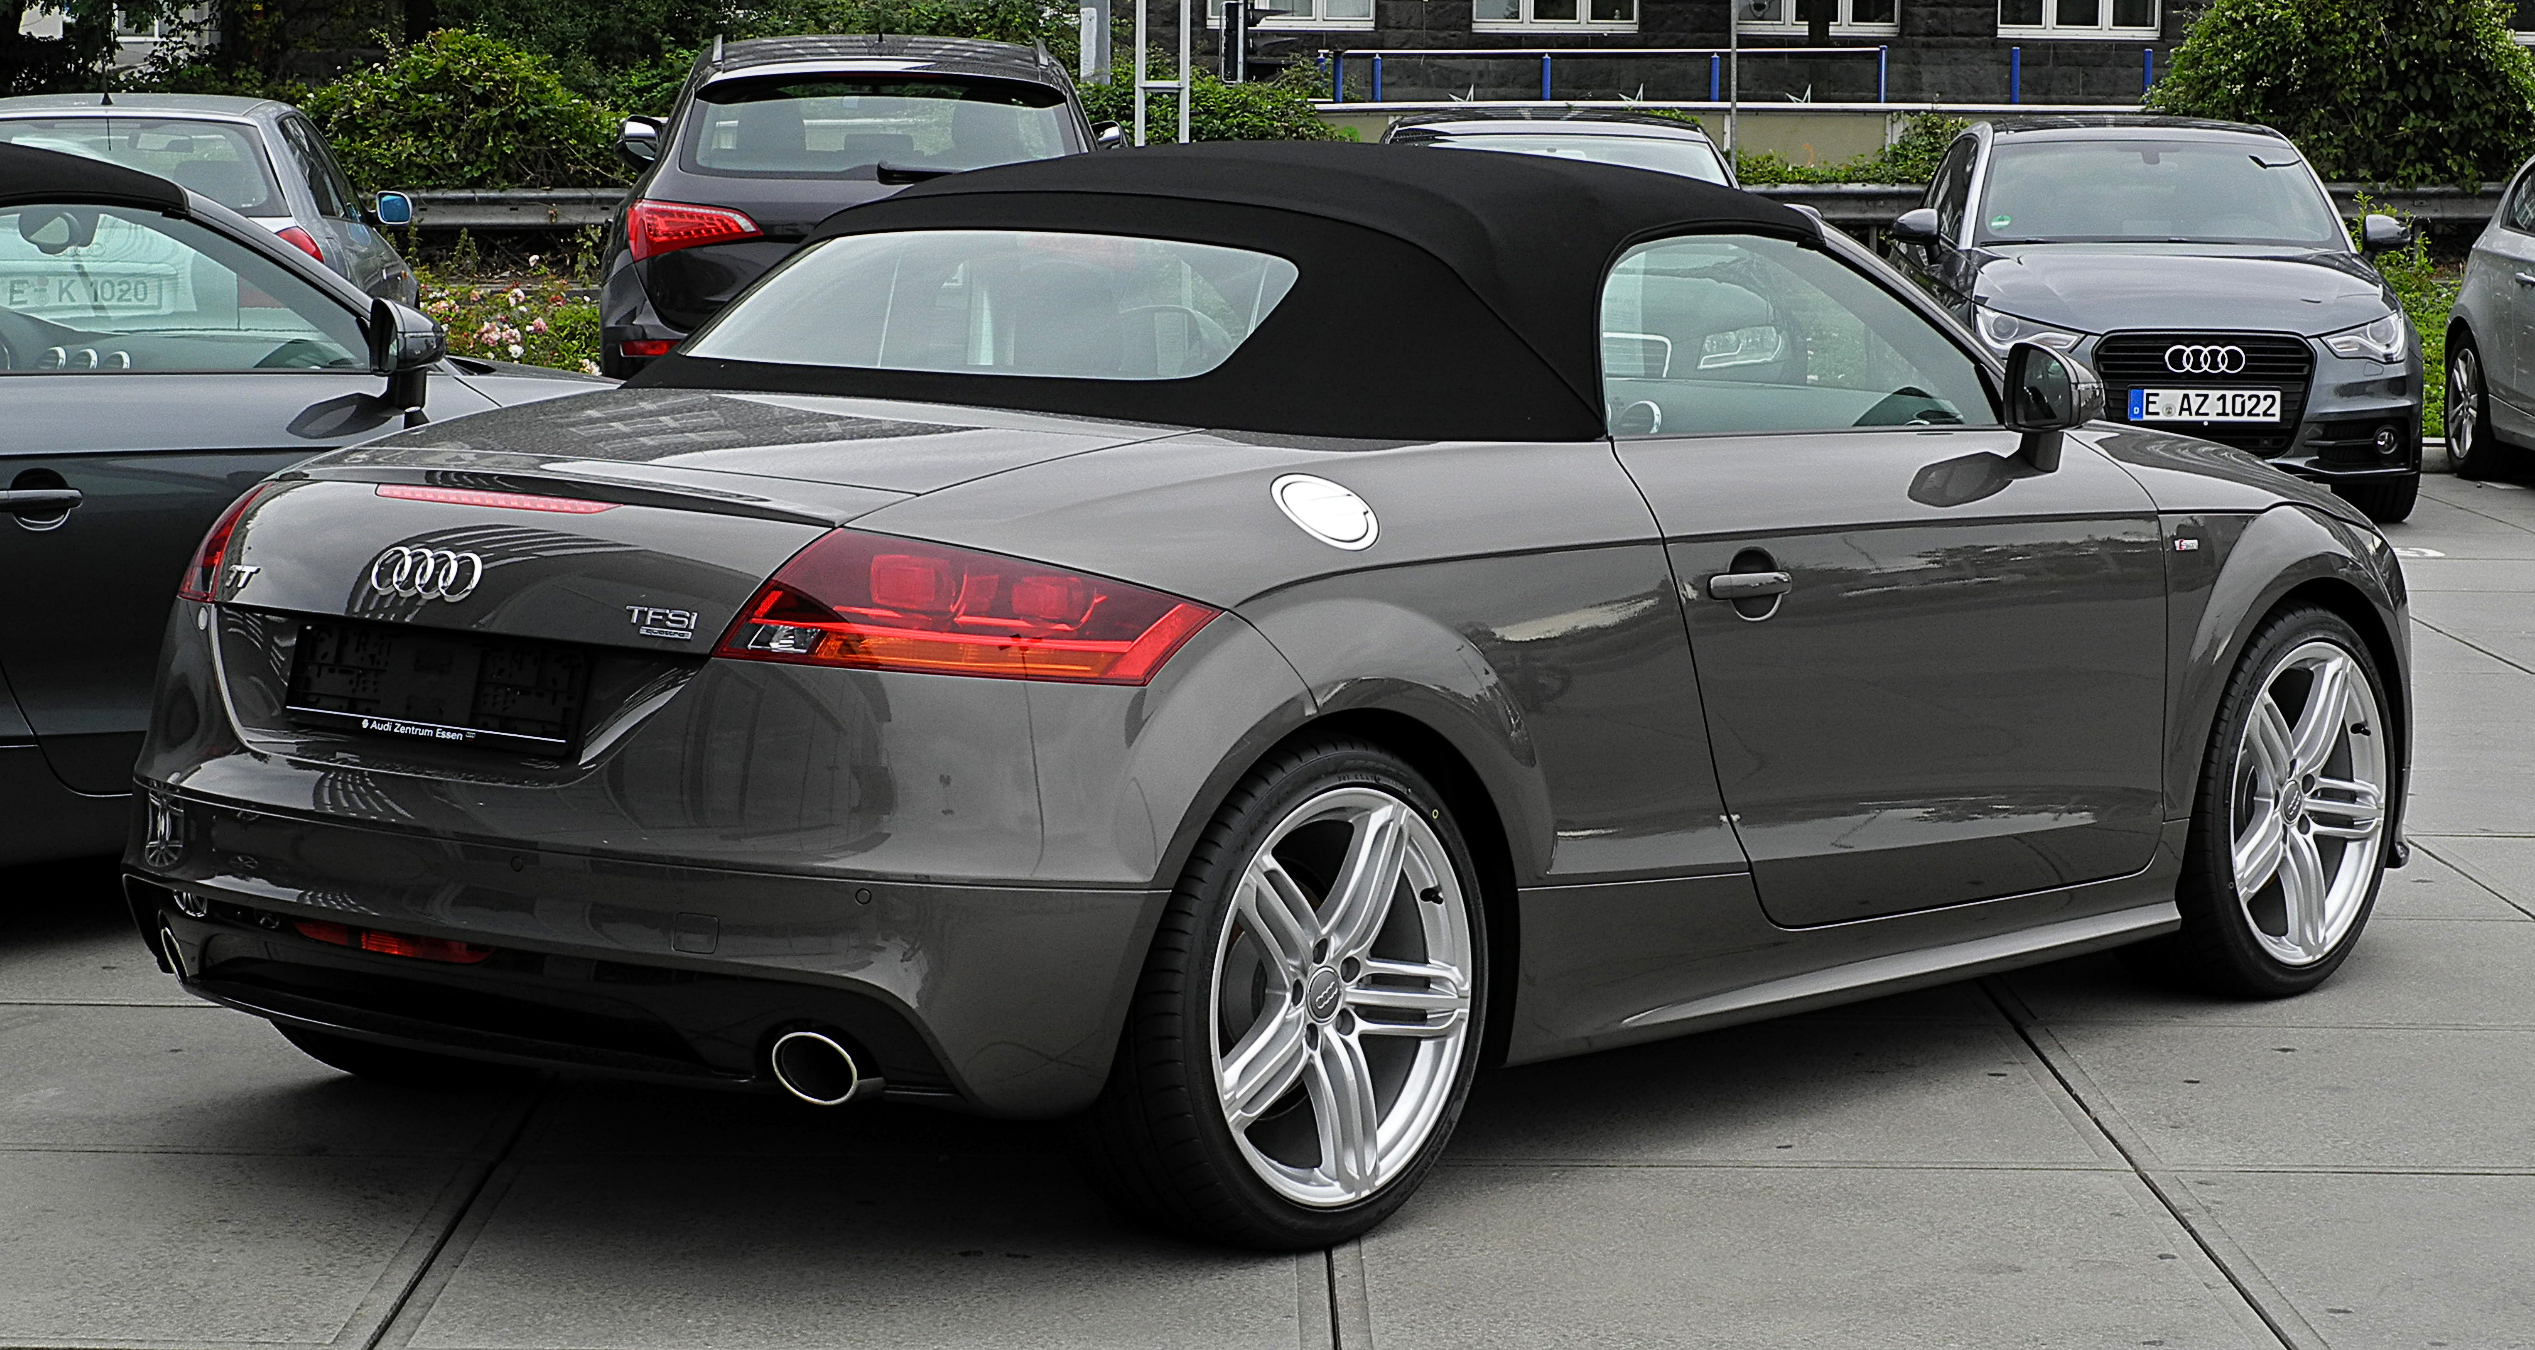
(2435, 653)
(2468, 772)
(2501, 623)
(2428, 576)
(2419, 973)
(2504, 865)
(742, 1253)
(1786, 1092)
(65, 937)
(2391, 1261)
(594, 1118)
(2289, 1097)
(205, 1079)
(171, 1250)
(1489, 1257)
(2431, 889)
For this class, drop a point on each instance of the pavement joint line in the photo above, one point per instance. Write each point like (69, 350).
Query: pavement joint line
(2469, 873)
(1773, 1165)
(2518, 666)
(2263, 1297)
(2471, 511)
(1316, 1301)
(432, 1274)
(1350, 1301)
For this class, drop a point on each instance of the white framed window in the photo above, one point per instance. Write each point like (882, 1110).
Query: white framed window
(2524, 21)
(2127, 19)
(1318, 14)
(1565, 16)
(1880, 18)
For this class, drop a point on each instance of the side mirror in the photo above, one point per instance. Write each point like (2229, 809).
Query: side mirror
(405, 344)
(1916, 227)
(1107, 135)
(638, 141)
(391, 208)
(2049, 393)
(2377, 234)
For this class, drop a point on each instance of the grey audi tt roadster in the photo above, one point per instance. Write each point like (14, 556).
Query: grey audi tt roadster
(1223, 642)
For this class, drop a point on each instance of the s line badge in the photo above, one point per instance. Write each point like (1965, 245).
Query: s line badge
(663, 623)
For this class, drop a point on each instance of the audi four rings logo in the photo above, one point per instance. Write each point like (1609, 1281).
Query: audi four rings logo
(2184, 360)
(428, 573)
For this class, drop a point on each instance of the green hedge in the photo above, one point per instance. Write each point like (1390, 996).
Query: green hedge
(461, 110)
(1257, 110)
(1911, 158)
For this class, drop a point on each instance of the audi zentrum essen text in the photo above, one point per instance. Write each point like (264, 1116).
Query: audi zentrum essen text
(2202, 269)
(1024, 656)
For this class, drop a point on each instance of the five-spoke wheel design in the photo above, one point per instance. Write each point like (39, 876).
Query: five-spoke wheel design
(1341, 996)
(2309, 802)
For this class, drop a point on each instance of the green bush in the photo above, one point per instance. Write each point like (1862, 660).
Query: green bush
(1256, 110)
(2403, 92)
(461, 110)
(1911, 158)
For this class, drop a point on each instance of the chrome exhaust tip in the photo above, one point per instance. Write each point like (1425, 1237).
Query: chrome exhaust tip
(817, 1068)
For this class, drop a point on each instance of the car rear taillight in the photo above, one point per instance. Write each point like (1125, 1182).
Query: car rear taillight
(202, 579)
(646, 347)
(393, 944)
(299, 239)
(508, 501)
(877, 603)
(653, 228)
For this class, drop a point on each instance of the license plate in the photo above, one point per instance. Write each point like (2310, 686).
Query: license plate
(2204, 405)
(98, 292)
(429, 685)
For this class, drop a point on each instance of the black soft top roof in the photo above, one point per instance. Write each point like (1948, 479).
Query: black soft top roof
(31, 175)
(1441, 297)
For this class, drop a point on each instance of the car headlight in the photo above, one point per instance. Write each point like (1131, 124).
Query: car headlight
(2388, 340)
(1999, 332)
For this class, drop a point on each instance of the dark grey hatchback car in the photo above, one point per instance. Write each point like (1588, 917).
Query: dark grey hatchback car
(2202, 270)
(967, 674)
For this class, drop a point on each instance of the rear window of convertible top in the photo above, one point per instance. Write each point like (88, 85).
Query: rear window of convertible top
(1005, 302)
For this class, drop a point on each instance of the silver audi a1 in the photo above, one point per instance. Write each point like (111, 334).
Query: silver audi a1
(1032, 654)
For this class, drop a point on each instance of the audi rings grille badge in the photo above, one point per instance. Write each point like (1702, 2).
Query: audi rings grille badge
(426, 573)
(2185, 360)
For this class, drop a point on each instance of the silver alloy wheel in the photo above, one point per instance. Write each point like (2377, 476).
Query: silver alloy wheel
(2464, 404)
(2309, 803)
(1341, 998)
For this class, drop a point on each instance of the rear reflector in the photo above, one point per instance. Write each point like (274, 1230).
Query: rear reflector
(298, 238)
(393, 944)
(509, 501)
(876, 603)
(202, 580)
(653, 228)
(647, 347)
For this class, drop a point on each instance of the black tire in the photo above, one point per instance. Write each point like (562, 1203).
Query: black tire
(2471, 446)
(1158, 1141)
(400, 1066)
(2218, 950)
(2386, 500)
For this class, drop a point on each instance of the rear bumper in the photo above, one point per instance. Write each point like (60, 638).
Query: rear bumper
(1005, 1000)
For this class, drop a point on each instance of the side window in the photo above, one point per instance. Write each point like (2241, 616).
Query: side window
(88, 288)
(2522, 206)
(1713, 334)
(1951, 190)
(325, 181)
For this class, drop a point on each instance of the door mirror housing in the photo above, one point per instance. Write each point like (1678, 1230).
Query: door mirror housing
(1107, 136)
(2378, 234)
(638, 141)
(405, 344)
(391, 208)
(2048, 393)
(1916, 227)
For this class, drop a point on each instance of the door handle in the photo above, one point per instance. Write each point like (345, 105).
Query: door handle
(1749, 585)
(2526, 278)
(24, 502)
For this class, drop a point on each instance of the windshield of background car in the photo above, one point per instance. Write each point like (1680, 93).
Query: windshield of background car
(1004, 302)
(1663, 154)
(91, 288)
(2134, 191)
(220, 160)
(848, 124)
(1711, 334)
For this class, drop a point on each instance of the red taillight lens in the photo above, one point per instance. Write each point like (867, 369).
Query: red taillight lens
(202, 579)
(877, 603)
(654, 228)
(393, 944)
(299, 239)
(511, 501)
(646, 347)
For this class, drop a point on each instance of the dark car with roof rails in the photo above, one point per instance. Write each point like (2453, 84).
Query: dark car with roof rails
(1602, 135)
(261, 158)
(771, 136)
(159, 354)
(966, 673)
(2202, 270)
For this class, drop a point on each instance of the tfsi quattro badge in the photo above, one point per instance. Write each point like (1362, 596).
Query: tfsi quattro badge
(662, 623)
